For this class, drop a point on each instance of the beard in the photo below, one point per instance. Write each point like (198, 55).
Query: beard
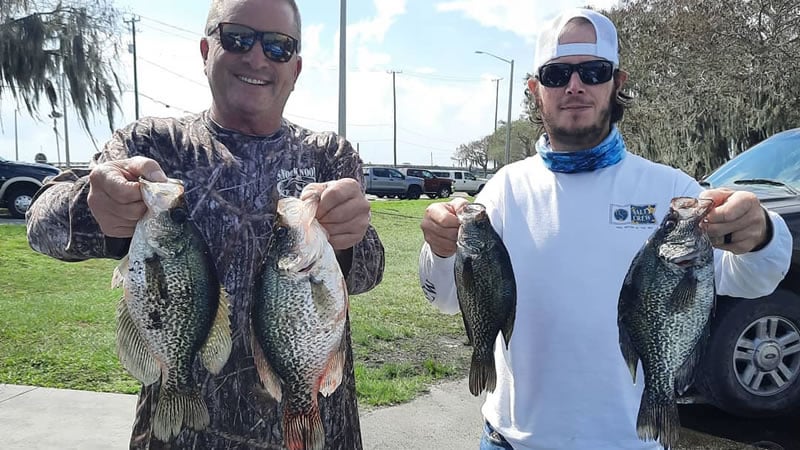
(579, 137)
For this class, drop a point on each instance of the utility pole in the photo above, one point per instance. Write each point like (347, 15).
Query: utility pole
(394, 109)
(496, 97)
(133, 21)
(64, 114)
(342, 68)
(16, 137)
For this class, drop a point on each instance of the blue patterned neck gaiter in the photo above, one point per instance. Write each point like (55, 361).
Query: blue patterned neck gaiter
(607, 153)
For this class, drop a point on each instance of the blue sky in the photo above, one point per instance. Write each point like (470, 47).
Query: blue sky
(445, 92)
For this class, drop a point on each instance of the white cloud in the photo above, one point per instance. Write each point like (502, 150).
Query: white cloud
(521, 17)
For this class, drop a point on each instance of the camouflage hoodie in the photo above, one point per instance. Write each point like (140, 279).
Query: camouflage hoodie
(231, 184)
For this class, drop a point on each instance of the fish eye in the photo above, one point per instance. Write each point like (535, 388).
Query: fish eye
(178, 215)
(281, 232)
(670, 224)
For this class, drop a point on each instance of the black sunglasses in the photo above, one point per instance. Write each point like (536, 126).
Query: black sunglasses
(237, 38)
(590, 72)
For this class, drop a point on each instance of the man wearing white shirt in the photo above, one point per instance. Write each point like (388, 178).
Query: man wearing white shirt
(573, 217)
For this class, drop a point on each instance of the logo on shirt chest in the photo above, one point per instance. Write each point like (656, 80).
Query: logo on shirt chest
(632, 214)
(292, 182)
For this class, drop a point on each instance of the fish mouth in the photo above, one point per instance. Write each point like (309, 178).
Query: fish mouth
(160, 196)
(471, 211)
(690, 208)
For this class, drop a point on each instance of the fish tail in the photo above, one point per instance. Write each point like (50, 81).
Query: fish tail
(176, 409)
(303, 430)
(482, 374)
(658, 420)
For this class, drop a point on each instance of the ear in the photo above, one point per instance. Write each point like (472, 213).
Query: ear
(533, 83)
(297, 69)
(620, 79)
(533, 88)
(204, 49)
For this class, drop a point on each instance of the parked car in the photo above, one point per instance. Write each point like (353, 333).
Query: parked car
(751, 364)
(389, 182)
(434, 187)
(463, 180)
(19, 181)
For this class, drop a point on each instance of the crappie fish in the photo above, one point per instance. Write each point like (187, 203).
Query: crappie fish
(299, 319)
(172, 309)
(663, 317)
(487, 292)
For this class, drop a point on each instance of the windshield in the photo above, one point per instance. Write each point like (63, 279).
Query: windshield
(776, 159)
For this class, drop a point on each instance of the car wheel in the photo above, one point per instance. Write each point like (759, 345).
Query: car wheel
(751, 365)
(414, 192)
(444, 192)
(19, 200)
(480, 188)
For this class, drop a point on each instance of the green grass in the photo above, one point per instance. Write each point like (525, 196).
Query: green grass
(57, 319)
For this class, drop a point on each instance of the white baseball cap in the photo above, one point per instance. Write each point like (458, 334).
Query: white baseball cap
(606, 47)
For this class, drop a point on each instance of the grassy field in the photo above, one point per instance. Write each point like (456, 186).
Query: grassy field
(57, 319)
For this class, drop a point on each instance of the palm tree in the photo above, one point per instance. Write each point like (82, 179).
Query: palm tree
(43, 43)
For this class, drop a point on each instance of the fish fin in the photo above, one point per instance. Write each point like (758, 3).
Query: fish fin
(508, 325)
(628, 296)
(659, 420)
(132, 350)
(685, 375)
(482, 373)
(684, 294)
(176, 409)
(268, 377)
(628, 351)
(464, 284)
(303, 431)
(332, 377)
(120, 272)
(215, 351)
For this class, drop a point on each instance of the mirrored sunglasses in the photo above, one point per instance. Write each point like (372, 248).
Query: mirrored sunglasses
(590, 73)
(236, 38)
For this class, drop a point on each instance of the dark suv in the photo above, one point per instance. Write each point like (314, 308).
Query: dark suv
(751, 366)
(19, 181)
(434, 186)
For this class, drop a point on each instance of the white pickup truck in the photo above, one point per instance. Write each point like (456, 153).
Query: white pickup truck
(463, 180)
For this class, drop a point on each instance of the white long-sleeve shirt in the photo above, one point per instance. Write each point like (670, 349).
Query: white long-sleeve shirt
(563, 383)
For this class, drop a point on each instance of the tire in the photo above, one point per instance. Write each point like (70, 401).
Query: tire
(444, 192)
(751, 366)
(19, 200)
(414, 192)
(480, 188)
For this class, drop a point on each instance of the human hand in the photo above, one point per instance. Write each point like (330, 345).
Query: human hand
(738, 222)
(115, 198)
(343, 211)
(440, 226)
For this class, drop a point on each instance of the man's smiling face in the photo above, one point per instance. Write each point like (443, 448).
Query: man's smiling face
(249, 91)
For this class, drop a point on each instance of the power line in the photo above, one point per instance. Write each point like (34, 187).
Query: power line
(165, 104)
(169, 25)
(167, 32)
(179, 75)
(331, 122)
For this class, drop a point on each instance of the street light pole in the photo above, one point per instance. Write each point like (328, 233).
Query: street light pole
(342, 68)
(496, 99)
(510, 93)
